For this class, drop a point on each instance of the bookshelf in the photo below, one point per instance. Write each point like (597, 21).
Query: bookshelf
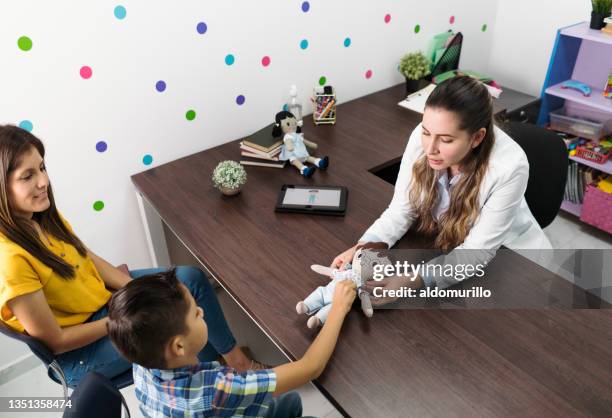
(583, 54)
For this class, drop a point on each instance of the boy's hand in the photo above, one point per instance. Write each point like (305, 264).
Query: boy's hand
(344, 295)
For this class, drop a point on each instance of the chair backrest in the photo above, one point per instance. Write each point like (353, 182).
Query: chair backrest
(96, 397)
(38, 348)
(548, 160)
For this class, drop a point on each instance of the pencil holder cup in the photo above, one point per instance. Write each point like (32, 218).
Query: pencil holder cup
(324, 104)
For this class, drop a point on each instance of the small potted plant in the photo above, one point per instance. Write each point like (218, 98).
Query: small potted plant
(601, 10)
(229, 177)
(415, 66)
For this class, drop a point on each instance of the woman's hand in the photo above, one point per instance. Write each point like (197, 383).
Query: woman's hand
(344, 258)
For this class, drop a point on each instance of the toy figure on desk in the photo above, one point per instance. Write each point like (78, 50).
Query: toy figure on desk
(318, 303)
(294, 144)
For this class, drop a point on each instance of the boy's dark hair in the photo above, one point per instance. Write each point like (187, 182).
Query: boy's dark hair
(144, 315)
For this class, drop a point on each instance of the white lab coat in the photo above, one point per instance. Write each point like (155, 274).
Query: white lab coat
(505, 218)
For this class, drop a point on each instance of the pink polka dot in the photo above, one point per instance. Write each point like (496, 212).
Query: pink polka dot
(451, 20)
(368, 74)
(387, 18)
(85, 72)
(265, 61)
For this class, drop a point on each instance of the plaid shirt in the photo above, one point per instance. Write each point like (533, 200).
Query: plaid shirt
(205, 390)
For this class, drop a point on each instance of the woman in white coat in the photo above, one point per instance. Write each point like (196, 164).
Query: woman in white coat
(461, 179)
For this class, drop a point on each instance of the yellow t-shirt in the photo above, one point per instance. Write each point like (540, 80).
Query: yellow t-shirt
(72, 301)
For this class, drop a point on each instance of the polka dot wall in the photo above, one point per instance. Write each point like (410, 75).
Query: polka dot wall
(198, 70)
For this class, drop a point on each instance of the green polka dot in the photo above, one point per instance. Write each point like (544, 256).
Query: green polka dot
(191, 114)
(484, 27)
(98, 205)
(24, 43)
(417, 28)
(322, 81)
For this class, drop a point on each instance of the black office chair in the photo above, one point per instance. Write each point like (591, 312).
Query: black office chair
(96, 397)
(547, 156)
(48, 358)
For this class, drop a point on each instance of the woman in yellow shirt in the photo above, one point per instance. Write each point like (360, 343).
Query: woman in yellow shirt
(55, 289)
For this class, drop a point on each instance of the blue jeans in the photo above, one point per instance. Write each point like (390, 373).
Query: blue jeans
(287, 405)
(102, 357)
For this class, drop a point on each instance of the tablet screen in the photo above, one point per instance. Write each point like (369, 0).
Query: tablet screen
(312, 197)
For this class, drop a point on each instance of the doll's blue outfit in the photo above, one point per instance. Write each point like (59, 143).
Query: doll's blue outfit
(319, 302)
(299, 148)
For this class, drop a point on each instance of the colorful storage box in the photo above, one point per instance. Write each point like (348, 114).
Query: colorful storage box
(596, 208)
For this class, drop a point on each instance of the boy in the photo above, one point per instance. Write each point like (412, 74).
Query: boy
(155, 323)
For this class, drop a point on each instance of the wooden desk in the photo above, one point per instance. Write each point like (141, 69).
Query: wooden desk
(398, 363)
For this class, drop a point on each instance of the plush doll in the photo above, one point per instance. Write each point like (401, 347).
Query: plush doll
(319, 302)
(294, 144)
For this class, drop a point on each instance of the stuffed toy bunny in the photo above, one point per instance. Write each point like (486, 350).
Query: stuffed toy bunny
(294, 144)
(318, 303)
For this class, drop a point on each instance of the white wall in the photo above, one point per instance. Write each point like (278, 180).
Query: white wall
(524, 36)
(158, 41)
(119, 103)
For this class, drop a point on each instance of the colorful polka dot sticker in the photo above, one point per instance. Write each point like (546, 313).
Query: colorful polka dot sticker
(304, 43)
(101, 146)
(368, 74)
(305, 6)
(120, 12)
(451, 20)
(86, 72)
(160, 86)
(24, 43)
(387, 18)
(322, 81)
(26, 125)
(265, 61)
(347, 42)
(229, 59)
(240, 99)
(484, 27)
(147, 159)
(98, 205)
(201, 27)
(417, 28)
(190, 115)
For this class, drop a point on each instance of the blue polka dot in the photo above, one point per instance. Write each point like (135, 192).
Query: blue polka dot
(229, 59)
(304, 44)
(147, 159)
(120, 12)
(101, 146)
(286, 107)
(160, 86)
(240, 100)
(26, 125)
(201, 28)
(347, 42)
(305, 6)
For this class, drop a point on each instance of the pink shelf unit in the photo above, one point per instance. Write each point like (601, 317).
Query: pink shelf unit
(573, 208)
(581, 30)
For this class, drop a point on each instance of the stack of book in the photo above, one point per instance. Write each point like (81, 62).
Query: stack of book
(261, 149)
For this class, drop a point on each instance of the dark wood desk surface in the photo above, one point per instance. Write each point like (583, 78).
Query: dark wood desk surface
(399, 363)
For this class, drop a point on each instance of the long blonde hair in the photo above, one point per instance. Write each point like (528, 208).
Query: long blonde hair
(471, 102)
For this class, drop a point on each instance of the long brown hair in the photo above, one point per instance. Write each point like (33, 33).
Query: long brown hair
(471, 102)
(14, 143)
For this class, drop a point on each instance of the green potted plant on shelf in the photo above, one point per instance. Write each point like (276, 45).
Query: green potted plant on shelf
(229, 177)
(415, 67)
(601, 10)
